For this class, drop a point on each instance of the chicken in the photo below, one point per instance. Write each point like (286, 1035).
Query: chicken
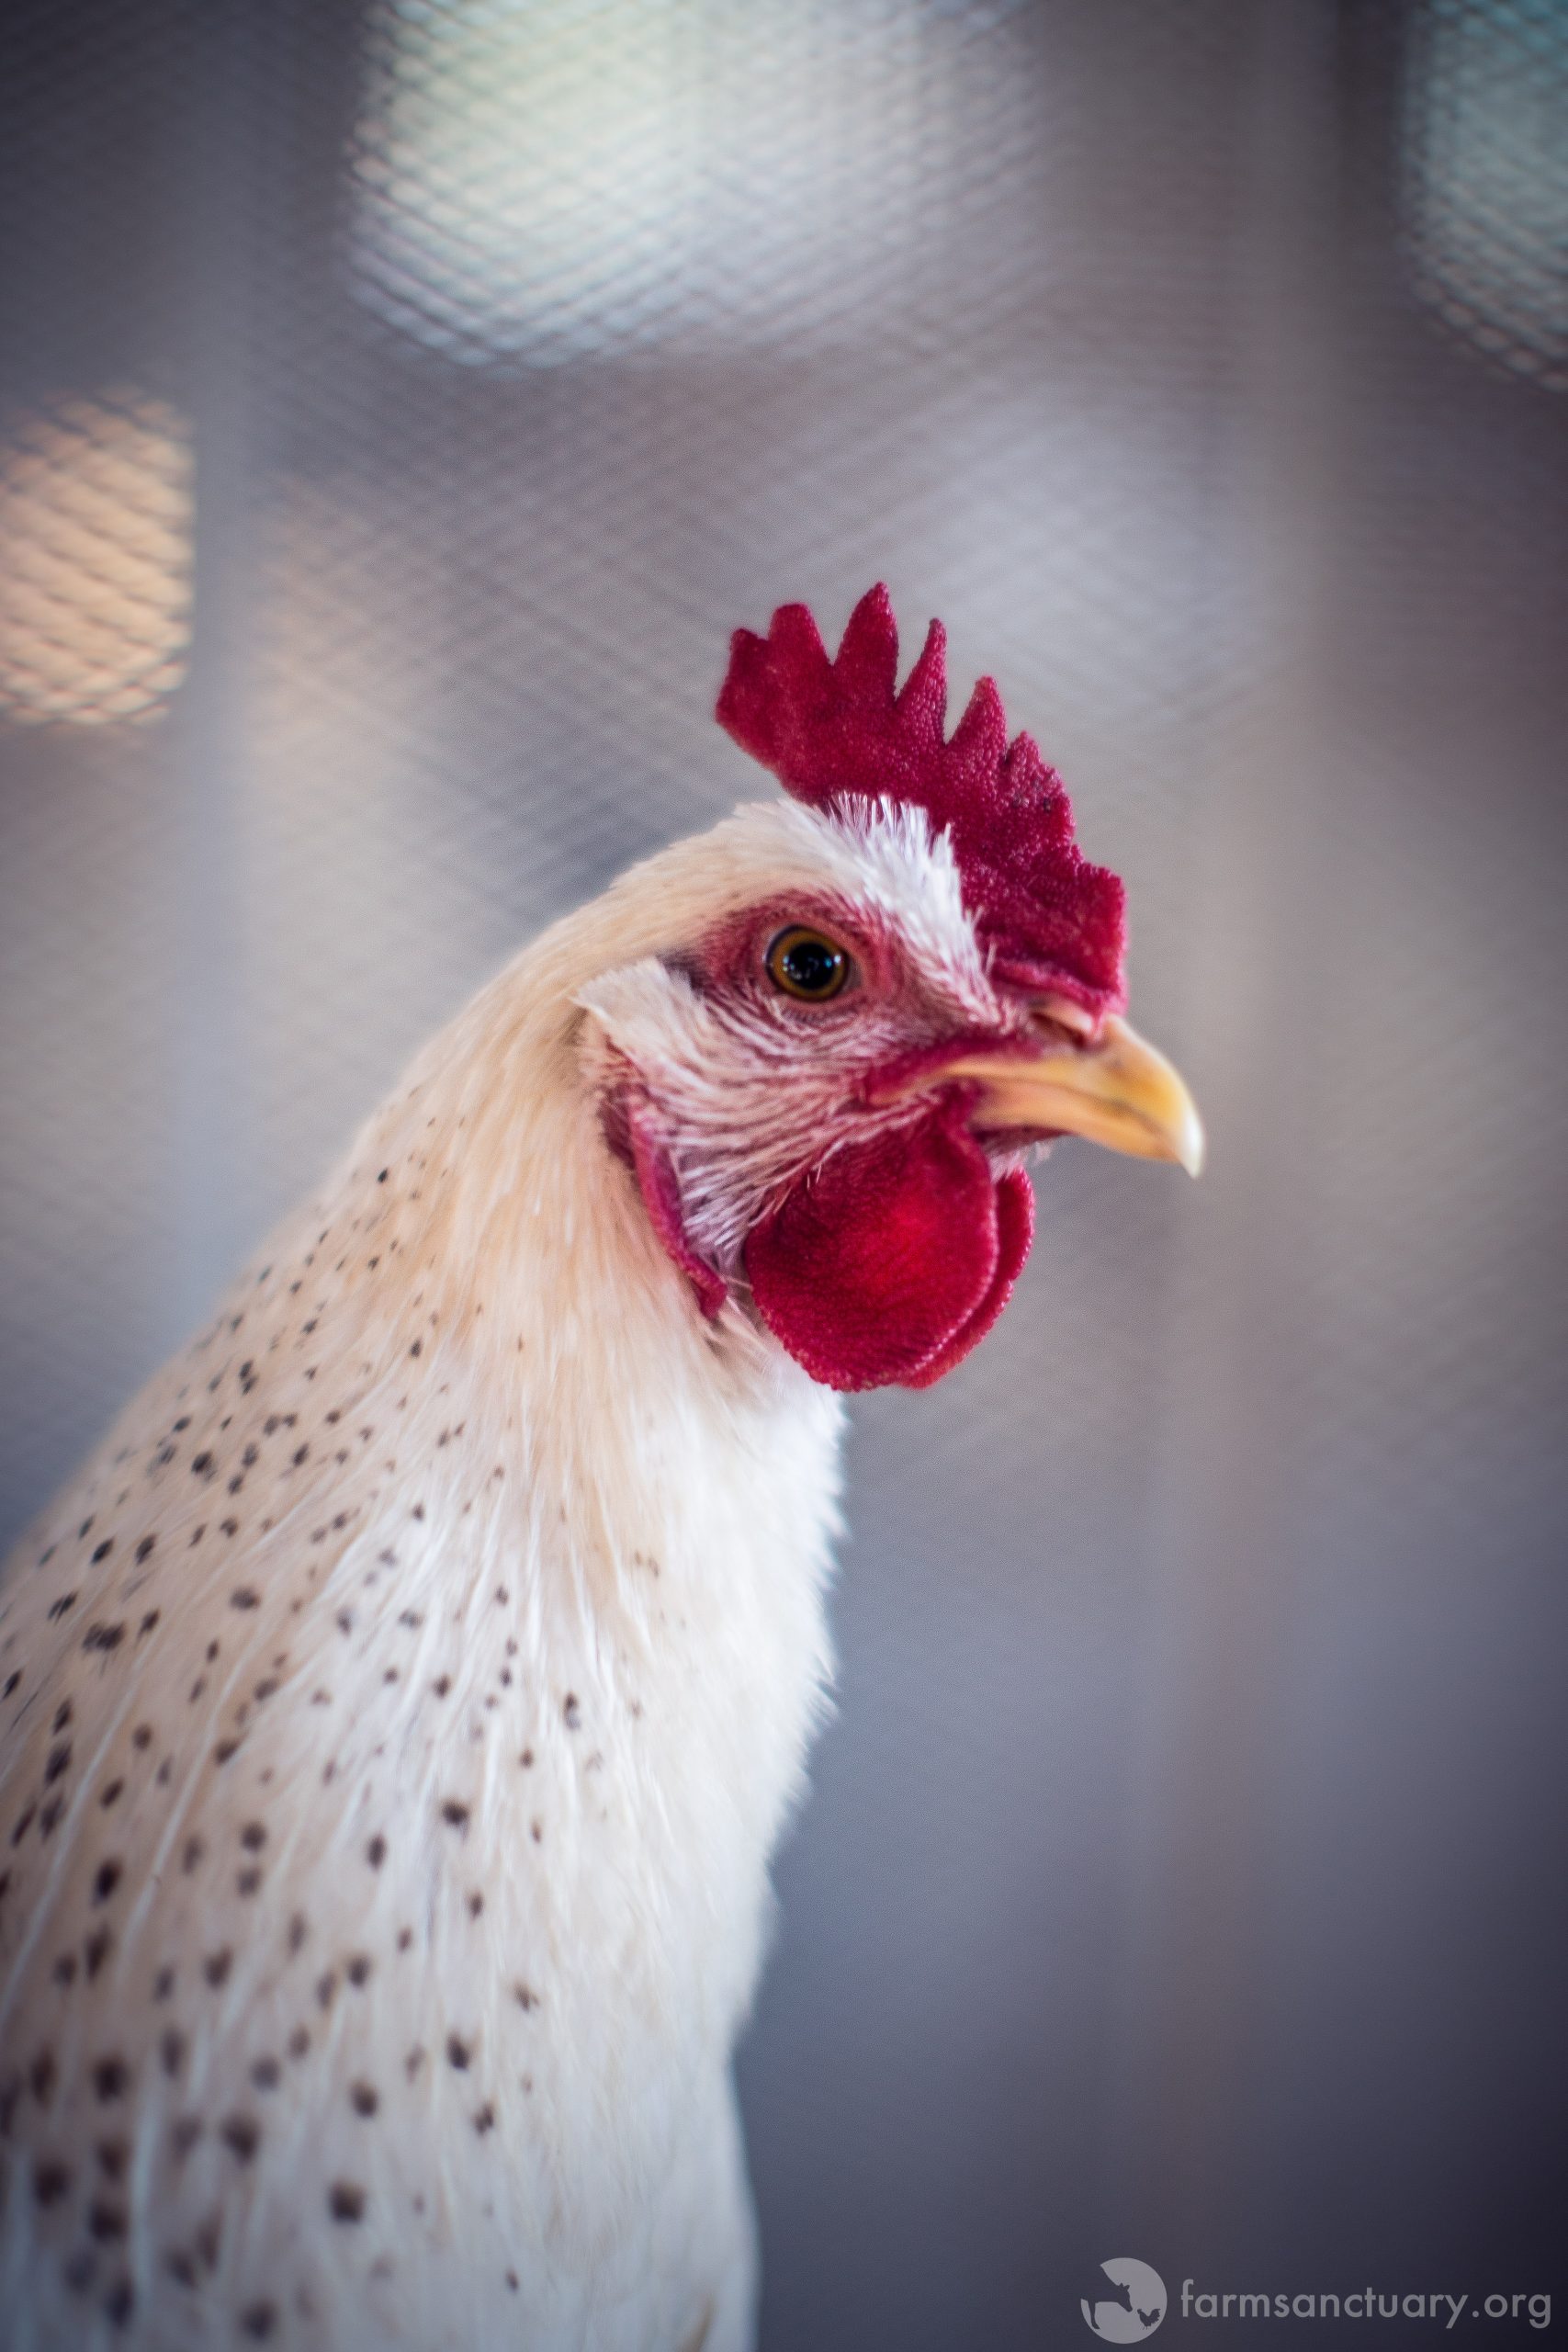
(401, 1708)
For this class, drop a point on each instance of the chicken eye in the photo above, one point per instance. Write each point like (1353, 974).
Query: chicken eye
(807, 963)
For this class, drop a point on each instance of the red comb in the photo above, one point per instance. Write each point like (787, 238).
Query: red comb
(833, 730)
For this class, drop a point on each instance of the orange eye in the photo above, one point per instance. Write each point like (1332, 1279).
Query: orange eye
(807, 963)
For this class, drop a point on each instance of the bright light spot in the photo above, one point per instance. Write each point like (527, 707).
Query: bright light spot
(1486, 176)
(540, 179)
(95, 560)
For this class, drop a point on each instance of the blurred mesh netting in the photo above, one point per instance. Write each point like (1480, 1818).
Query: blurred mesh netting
(399, 405)
(1486, 166)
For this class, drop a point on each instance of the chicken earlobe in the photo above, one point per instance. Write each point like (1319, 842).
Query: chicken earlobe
(660, 1190)
(893, 1259)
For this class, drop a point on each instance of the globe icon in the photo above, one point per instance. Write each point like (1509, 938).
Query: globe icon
(1136, 2307)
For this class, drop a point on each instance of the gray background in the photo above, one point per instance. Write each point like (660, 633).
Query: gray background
(1183, 1874)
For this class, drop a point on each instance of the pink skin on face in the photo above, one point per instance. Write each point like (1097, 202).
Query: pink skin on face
(893, 1246)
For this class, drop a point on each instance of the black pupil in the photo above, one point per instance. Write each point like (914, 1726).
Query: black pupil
(812, 965)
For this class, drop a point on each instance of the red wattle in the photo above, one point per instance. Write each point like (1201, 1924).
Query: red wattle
(1015, 1231)
(893, 1258)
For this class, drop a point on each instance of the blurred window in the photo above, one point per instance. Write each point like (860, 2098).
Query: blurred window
(543, 179)
(95, 589)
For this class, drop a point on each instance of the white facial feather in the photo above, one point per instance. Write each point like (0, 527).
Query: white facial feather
(751, 1090)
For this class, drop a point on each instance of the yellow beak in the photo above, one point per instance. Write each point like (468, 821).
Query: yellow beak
(1115, 1090)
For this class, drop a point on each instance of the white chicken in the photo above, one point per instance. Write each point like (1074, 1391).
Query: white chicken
(401, 1708)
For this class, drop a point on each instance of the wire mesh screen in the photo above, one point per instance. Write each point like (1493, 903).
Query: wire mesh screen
(399, 404)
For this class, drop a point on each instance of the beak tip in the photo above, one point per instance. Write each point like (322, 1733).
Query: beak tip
(1119, 1092)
